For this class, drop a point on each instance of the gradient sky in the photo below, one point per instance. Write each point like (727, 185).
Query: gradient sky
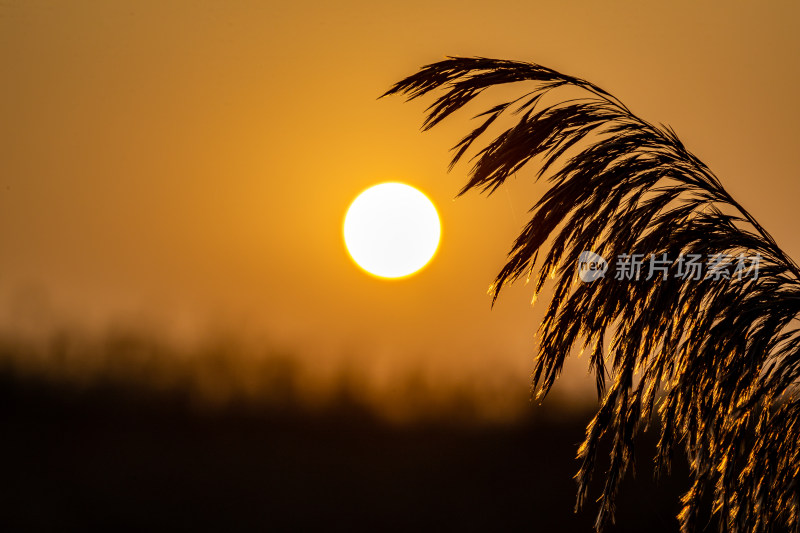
(189, 164)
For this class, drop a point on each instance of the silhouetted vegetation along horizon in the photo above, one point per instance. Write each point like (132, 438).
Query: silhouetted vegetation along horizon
(124, 431)
(114, 433)
(723, 351)
(224, 371)
(108, 457)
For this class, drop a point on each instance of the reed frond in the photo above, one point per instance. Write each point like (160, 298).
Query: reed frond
(715, 360)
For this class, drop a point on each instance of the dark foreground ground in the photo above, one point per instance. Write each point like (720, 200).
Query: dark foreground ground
(103, 459)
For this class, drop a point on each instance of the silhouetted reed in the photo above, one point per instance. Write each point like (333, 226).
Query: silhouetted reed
(718, 357)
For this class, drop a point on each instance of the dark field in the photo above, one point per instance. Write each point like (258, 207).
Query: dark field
(118, 458)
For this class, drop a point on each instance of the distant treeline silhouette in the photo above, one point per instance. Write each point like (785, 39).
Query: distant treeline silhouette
(112, 455)
(224, 371)
(714, 359)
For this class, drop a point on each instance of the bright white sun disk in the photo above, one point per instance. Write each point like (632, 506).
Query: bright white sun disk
(392, 230)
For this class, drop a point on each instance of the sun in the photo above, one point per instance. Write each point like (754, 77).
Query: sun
(392, 230)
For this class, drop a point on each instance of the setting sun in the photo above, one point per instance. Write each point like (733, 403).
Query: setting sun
(392, 230)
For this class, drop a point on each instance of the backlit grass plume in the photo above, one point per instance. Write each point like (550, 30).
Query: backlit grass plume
(712, 357)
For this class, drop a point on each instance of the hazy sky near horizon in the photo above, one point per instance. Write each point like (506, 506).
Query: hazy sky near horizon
(189, 164)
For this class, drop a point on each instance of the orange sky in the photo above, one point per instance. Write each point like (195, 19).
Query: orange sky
(190, 163)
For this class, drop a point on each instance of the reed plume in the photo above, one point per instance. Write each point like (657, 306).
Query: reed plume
(711, 359)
